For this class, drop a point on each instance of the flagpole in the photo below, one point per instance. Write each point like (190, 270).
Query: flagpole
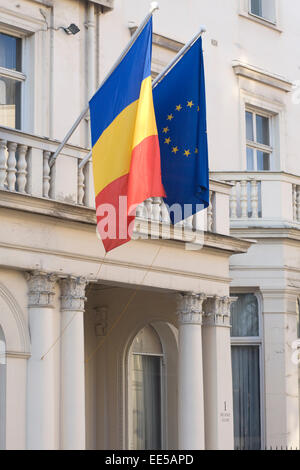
(153, 7)
(178, 56)
(161, 76)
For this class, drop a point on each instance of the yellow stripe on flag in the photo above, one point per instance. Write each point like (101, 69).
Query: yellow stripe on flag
(145, 119)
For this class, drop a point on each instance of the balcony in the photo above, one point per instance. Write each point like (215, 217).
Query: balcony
(263, 199)
(28, 183)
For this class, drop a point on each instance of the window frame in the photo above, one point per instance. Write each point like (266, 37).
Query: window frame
(256, 146)
(163, 386)
(16, 75)
(263, 18)
(255, 341)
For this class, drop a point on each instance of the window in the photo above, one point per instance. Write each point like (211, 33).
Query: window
(264, 9)
(246, 372)
(2, 389)
(258, 135)
(145, 391)
(11, 79)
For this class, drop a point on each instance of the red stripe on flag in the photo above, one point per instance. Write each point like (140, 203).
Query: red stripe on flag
(118, 221)
(145, 172)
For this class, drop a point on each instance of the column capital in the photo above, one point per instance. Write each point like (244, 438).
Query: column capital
(73, 293)
(189, 308)
(217, 311)
(41, 289)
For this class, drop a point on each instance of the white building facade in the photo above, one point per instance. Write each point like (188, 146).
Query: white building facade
(179, 341)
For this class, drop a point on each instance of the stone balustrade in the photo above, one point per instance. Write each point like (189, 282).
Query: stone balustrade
(25, 169)
(269, 198)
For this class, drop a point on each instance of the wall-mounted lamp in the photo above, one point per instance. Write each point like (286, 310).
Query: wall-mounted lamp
(72, 29)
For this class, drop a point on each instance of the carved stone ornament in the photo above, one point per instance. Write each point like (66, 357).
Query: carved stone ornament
(41, 289)
(217, 311)
(189, 309)
(73, 293)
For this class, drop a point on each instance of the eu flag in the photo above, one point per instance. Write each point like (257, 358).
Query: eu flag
(180, 107)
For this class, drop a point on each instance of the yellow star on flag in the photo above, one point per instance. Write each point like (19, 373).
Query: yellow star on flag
(165, 130)
(196, 151)
(175, 150)
(198, 109)
(170, 117)
(187, 153)
(179, 107)
(168, 140)
(190, 104)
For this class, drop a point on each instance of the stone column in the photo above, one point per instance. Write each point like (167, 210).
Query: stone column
(72, 364)
(190, 373)
(280, 316)
(218, 395)
(42, 381)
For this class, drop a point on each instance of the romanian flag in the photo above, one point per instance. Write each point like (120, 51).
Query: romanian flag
(125, 145)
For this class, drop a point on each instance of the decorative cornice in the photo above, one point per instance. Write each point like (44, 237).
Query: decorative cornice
(73, 294)
(41, 289)
(189, 308)
(262, 76)
(217, 311)
(106, 4)
(161, 41)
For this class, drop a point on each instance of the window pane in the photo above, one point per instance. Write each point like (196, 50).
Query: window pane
(244, 316)
(256, 7)
(246, 397)
(250, 159)
(10, 52)
(262, 130)
(10, 94)
(249, 126)
(263, 161)
(146, 402)
(268, 10)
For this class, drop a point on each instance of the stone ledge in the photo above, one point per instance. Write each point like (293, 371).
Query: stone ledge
(86, 216)
(262, 76)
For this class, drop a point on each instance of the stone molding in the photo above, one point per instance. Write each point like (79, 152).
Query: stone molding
(262, 76)
(189, 309)
(73, 293)
(41, 289)
(217, 311)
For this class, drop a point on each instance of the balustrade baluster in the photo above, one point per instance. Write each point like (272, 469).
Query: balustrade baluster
(11, 166)
(244, 199)
(254, 199)
(298, 204)
(140, 211)
(2, 163)
(21, 168)
(81, 186)
(148, 206)
(46, 173)
(210, 213)
(156, 210)
(233, 201)
(294, 190)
